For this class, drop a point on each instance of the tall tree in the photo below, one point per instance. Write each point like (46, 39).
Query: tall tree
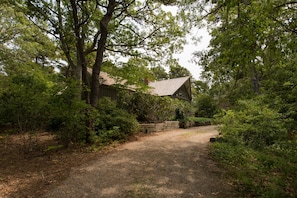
(251, 40)
(90, 31)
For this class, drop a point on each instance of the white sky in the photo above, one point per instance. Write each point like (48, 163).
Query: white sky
(185, 58)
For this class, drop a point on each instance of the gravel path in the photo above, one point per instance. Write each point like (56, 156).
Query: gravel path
(167, 164)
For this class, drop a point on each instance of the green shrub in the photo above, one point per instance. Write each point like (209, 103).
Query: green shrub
(23, 102)
(200, 121)
(183, 109)
(258, 173)
(114, 123)
(253, 124)
(205, 106)
(68, 114)
(256, 151)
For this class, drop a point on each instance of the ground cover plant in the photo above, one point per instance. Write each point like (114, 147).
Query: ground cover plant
(257, 151)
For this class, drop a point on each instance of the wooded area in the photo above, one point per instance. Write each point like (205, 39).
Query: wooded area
(248, 83)
(251, 65)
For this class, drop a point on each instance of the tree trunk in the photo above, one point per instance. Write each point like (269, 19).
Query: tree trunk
(100, 52)
(255, 80)
(81, 68)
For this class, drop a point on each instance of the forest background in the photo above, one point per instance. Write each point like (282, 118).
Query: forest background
(248, 79)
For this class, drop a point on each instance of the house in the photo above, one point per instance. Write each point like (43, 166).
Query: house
(108, 86)
(175, 88)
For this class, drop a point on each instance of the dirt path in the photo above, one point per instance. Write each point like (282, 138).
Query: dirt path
(167, 164)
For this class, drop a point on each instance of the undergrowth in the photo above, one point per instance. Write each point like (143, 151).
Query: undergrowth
(270, 172)
(257, 152)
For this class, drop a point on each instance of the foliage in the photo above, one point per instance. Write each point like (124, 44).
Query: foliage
(68, 114)
(252, 48)
(205, 106)
(23, 101)
(253, 124)
(257, 151)
(201, 121)
(159, 73)
(113, 124)
(150, 108)
(135, 73)
(265, 173)
(177, 70)
(23, 44)
(183, 109)
(89, 32)
(200, 87)
(252, 53)
(146, 107)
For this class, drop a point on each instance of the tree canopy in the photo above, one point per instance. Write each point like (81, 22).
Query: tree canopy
(92, 32)
(252, 47)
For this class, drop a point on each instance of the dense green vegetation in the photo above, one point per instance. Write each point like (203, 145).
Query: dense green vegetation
(46, 48)
(249, 76)
(251, 64)
(257, 150)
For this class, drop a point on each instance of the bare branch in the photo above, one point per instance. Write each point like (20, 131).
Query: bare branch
(285, 26)
(213, 11)
(122, 52)
(92, 47)
(285, 4)
(101, 5)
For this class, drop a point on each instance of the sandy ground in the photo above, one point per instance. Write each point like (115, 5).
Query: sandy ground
(166, 164)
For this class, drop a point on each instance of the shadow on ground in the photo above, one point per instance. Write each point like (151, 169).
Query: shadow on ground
(171, 164)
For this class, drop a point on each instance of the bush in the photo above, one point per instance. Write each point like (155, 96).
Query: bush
(253, 124)
(68, 114)
(259, 173)
(114, 123)
(183, 109)
(205, 106)
(200, 121)
(256, 151)
(23, 102)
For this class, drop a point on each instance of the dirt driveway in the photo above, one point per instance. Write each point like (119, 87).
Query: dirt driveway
(166, 164)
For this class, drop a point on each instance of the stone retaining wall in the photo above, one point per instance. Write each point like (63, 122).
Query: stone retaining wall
(158, 127)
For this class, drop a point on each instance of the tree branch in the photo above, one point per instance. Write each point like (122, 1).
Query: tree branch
(92, 47)
(285, 26)
(285, 4)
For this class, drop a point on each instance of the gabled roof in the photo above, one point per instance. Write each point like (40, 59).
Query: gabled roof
(160, 88)
(170, 86)
(107, 79)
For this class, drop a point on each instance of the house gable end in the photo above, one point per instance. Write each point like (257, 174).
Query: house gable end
(183, 93)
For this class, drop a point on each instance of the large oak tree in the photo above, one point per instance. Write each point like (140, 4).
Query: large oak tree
(90, 32)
